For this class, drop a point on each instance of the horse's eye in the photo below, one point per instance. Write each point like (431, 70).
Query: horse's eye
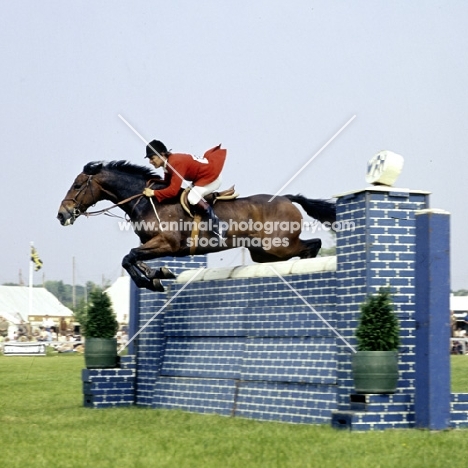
(77, 186)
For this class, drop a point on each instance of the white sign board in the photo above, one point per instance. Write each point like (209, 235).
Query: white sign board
(24, 349)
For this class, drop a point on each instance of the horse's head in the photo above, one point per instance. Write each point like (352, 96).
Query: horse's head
(84, 192)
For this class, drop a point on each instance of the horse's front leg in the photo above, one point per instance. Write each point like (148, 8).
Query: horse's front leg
(143, 275)
(138, 277)
(153, 273)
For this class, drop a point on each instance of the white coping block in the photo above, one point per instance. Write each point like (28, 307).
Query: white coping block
(264, 269)
(312, 265)
(309, 265)
(431, 211)
(382, 188)
(217, 273)
(187, 275)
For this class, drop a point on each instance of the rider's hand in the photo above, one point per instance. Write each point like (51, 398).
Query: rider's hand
(148, 192)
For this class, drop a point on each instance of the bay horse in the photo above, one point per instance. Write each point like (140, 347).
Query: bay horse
(268, 226)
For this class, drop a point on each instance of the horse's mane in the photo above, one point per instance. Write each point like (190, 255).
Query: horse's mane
(129, 168)
(124, 167)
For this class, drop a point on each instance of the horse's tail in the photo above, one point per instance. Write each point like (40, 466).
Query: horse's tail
(322, 210)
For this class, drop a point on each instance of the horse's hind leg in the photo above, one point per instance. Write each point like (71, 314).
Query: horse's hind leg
(259, 255)
(311, 248)
(308, 248)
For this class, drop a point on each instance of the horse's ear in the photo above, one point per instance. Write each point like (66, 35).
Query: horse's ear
(92, 167)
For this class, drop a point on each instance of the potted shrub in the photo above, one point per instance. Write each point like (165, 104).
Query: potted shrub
(375, 364)
(99, 329)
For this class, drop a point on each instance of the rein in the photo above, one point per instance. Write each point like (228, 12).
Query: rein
(105, 210)
(77, 211)
(122, 202)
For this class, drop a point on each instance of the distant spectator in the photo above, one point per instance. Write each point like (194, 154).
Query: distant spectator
(3, 327)
(42, 334)
(63, 326)
(67, 346)
(453, 323)
(124, 339)
(457, 348)
(23, 331)
(48, 323)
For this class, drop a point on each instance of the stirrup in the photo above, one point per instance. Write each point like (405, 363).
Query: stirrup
(216, 223)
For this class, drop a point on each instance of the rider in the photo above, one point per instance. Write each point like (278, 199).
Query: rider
(204, 173)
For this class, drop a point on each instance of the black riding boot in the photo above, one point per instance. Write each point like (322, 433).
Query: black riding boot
(203, 208)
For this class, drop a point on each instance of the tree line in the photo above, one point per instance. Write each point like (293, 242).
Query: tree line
(64, 292)
(79, 300)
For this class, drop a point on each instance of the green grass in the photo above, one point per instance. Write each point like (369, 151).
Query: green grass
(459, 367)
(43, 424)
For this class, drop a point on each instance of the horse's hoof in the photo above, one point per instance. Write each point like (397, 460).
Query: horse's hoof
(166, 273)
(147, 271)
(156, 286)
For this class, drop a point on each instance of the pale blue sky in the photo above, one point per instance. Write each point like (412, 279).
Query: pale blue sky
(272, 80)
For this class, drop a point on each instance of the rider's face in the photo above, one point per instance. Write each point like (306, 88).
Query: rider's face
(156, 161)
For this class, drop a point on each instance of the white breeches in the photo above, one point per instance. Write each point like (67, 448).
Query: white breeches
(197, 192)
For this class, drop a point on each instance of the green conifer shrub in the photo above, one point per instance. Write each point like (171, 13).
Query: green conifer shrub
(378, 328)
(100, 320)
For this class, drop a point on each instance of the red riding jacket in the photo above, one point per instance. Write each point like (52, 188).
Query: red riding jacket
(200, 172)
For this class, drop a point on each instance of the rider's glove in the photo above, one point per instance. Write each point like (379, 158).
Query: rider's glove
(148, 192)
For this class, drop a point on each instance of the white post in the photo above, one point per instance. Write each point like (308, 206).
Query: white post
(73, 286)
(31, 266)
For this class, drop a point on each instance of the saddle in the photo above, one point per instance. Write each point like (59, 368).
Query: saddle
(212, 198)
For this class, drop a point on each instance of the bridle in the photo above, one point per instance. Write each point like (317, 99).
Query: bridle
(77, 210)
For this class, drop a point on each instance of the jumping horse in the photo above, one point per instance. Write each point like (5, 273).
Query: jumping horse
(269, 227)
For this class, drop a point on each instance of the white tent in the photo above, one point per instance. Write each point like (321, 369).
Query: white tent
(459, 305)
(119, 294)
(15, 304)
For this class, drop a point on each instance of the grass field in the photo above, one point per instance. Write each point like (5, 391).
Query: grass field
(43, 424)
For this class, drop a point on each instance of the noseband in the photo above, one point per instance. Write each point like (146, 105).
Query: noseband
(77, 210)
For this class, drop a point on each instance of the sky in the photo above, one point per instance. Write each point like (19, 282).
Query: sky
(272, 80)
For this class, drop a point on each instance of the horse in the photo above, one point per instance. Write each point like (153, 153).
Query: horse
(269, 227)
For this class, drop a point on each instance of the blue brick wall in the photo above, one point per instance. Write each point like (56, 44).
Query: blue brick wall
(372, 412)
(248, 347)
(255, 346)
(379, 252)
(149, 345)
(459, 409)
(103, 388)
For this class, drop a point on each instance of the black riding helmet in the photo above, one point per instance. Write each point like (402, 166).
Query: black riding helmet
(155, 147)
